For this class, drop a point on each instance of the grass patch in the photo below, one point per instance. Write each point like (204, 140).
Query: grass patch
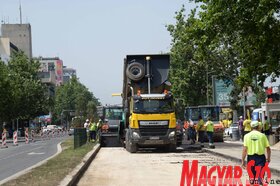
(55, 169)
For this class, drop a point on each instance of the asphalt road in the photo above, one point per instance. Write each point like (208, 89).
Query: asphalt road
(15, 159)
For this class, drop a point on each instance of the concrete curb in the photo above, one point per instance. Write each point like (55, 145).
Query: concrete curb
(73, 177)
(238, 160)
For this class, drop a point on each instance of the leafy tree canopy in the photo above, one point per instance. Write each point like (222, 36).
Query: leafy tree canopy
(236, 40)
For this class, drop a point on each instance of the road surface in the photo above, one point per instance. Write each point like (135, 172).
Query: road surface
(115, 166)
(15, 159)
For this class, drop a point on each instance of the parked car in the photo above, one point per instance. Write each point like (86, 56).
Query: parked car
(229, 131)
(71, 131)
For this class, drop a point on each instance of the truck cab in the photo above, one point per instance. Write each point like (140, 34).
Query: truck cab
(148, 102)
(111, 123)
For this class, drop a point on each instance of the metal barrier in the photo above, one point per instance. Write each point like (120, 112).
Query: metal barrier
(80, 137)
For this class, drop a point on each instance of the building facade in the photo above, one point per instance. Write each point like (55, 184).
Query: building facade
(6, 49)
(20, 36)
(68, 73)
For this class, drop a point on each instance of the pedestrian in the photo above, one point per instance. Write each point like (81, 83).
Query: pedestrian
(254, 147)
(191, 132)
(92, 130)
(210, 130)
(99, 125)
(247, 126)
(201, 131)
(240, 127)
(86, 126)
(266, 127)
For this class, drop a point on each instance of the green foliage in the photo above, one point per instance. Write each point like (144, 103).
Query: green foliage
(74, 96)
(4, 90)
(236, 40)
(22, 94)
(187, 72)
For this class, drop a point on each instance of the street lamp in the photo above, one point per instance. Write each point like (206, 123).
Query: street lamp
(207, 81)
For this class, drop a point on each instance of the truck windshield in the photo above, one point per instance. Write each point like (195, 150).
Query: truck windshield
(153, 106)
(113, 113)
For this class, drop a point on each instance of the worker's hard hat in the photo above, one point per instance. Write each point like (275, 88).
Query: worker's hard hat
(254, 124)
(241, 117)
(100, 120)
(87, 120)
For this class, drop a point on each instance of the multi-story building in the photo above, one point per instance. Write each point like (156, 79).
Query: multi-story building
(51, 70)
(6, 49)
(19, 35)
(68, 73)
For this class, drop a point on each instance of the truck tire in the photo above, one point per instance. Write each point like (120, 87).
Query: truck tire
(135, 71)
(130, 147)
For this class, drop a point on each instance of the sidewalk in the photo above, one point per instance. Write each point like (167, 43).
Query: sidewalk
(233, 150)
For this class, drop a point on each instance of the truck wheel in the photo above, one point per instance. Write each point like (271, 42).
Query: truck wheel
(135, 71)
(130, 147)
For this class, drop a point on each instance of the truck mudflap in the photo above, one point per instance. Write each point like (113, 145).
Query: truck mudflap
(149, 141)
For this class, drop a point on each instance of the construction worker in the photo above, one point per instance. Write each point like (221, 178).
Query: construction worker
(266, 127)
(247, 126)
(210, 130)
(254, 147)
(99, 125)
(200, 130)
(92, 130)
(86, 126)
(191, 132)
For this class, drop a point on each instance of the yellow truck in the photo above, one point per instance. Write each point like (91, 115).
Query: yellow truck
(148, 103)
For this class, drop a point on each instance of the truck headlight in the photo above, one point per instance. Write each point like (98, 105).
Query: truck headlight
(171, 134)
(135, 135)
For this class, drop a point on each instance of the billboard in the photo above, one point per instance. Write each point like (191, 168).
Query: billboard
(59, 72)
(222, 90)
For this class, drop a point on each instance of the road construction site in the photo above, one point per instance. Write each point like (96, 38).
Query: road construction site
(116, 166)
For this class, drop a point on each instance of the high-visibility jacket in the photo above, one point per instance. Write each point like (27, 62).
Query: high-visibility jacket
(266, 126)
(247, 125)
(200, 125)
(92, 126)
(209, 126)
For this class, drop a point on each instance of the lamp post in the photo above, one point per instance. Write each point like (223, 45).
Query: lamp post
(207, 81)
(244, 102)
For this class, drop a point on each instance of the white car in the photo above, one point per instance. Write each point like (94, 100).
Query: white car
(228, 131)
(71, 131)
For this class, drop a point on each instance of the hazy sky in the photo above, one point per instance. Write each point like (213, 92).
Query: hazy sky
(94, 36)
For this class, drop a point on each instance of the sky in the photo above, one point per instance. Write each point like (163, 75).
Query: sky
(94, 36)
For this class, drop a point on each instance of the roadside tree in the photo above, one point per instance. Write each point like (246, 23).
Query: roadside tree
(236, 40)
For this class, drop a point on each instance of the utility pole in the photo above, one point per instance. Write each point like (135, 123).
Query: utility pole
(244, 103)
(20, 13)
